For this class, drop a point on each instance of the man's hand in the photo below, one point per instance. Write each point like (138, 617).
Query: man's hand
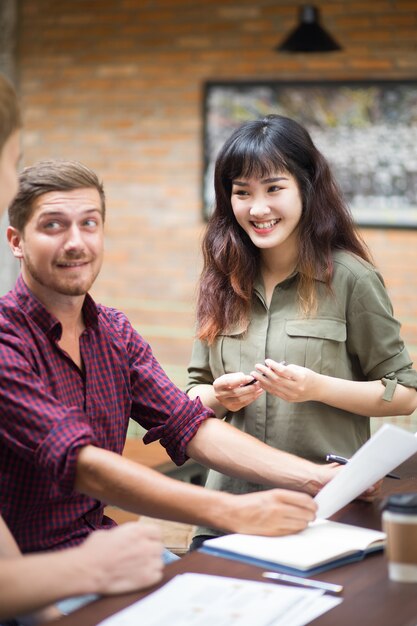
(271, 513)
(322, 475)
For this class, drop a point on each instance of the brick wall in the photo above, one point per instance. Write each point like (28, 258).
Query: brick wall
(118, 85)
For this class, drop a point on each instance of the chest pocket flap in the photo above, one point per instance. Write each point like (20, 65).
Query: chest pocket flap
(316, 343)
(335, 330)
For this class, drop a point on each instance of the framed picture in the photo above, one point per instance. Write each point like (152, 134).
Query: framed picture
(367, 130)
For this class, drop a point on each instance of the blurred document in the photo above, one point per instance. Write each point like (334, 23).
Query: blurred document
(384, 451)
(205, 600)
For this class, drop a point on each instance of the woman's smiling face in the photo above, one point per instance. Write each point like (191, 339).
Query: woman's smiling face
(268, 209)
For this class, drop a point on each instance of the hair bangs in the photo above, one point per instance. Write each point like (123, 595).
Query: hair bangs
(254, 159)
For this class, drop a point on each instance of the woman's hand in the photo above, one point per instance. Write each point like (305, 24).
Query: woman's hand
(237, 390)
(372, 493)
(292, 383)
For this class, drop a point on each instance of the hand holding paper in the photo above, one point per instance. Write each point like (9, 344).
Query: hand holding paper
(325, 544)
(384, 451)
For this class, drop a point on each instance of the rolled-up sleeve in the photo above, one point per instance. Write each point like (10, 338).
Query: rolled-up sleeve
(374, 333)
(59, 450)
(158, 405)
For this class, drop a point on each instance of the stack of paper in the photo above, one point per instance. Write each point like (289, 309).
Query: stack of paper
(203, 600)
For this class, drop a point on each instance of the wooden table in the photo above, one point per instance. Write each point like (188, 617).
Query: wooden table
(369, 597)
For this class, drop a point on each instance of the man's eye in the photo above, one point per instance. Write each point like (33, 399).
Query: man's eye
(51, 225)
(90, 223)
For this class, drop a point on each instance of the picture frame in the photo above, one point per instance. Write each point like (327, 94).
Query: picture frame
(367, 130)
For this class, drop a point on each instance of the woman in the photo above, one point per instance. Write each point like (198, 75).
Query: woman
(289, 300)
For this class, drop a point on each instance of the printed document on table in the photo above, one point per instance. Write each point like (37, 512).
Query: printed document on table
(204, 600)
(384, 451)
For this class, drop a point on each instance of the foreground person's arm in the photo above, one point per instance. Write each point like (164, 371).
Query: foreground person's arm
(112, 561)
(224, 448)
(116, 480)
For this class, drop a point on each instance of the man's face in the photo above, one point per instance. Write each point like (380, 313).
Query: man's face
(9, 158)
(61, 246)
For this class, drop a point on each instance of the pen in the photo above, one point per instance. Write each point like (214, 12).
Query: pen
(304, 582)
(334, 458)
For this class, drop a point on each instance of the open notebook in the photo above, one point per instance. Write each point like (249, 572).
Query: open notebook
(323, 545)
(326, 544)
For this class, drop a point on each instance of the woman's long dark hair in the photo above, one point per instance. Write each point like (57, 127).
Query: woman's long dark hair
(231, 261)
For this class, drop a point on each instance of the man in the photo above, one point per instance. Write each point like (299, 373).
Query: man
(124, 559)
(73, 372)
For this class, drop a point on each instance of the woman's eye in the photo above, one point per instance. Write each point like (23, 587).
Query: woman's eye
(273, 188)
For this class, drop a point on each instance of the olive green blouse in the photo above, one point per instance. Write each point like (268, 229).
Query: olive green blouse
(353, 336)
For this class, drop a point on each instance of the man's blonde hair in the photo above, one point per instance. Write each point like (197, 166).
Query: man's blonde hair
(46, 176)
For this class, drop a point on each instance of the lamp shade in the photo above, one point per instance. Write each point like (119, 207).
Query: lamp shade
(309, 36)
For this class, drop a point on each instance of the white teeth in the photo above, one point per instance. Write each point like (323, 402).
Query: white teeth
(78, 264)
(265, 225)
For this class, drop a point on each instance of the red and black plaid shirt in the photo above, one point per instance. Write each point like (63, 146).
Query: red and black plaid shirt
(49, 409)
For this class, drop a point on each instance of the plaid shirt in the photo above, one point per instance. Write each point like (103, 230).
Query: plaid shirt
(49, 409)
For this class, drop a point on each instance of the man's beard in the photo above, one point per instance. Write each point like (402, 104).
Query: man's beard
(62, 285)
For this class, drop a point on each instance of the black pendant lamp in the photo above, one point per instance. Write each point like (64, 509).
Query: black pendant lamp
(309, 36)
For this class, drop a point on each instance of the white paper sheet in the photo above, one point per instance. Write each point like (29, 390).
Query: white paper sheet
(384, 451)
(205, 600)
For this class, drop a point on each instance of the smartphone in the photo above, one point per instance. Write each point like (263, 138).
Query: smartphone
(253, 381)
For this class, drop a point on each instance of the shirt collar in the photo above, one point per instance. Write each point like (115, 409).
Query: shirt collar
(43, 318)
(285, 284)
(259, 288)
